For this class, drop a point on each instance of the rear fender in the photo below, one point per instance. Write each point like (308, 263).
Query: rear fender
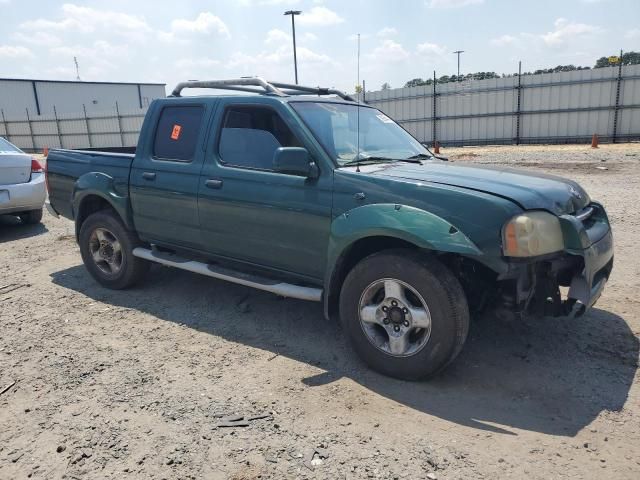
(103, 186)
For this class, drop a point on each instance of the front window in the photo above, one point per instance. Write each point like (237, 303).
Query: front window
(352, 133)
(251, 134)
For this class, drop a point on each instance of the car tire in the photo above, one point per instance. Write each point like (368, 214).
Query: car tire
(32, 217)
(106, 246)
(413, 300)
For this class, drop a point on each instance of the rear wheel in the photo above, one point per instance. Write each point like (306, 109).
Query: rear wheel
(32, 217)
(107, 247)
(406, 314)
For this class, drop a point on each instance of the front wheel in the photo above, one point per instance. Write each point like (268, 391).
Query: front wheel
(405, 313)
(107, 247)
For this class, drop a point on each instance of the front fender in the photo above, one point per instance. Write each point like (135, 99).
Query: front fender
(413, 225)
(101, 185)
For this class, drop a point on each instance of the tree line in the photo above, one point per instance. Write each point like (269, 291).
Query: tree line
(629, 58)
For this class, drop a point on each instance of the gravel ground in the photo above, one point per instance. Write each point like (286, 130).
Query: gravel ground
(139, 383)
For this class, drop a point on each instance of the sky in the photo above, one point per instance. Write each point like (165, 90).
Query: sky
(168, 42)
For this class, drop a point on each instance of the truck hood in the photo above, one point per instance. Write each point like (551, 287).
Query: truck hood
(527, 189)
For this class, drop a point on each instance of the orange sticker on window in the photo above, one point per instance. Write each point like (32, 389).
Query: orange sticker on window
(175, 133)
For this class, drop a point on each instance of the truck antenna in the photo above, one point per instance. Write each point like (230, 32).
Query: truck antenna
(358, 107)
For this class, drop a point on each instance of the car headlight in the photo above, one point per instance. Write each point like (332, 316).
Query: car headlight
(532, 234)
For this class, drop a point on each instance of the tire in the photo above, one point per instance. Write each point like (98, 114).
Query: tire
(32, 217)
(103, 236)
(430, 333)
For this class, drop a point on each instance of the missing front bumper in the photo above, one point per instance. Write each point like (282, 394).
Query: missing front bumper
(540, 288)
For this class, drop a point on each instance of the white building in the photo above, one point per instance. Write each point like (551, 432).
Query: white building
(40, 97)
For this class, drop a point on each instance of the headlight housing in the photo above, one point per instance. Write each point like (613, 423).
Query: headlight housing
(531, 234)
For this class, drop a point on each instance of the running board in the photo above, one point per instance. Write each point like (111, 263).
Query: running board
(215, 271)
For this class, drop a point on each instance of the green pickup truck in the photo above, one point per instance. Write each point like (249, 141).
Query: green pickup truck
(306, 193)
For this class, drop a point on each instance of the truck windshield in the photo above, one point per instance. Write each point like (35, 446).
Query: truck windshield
(336, 127)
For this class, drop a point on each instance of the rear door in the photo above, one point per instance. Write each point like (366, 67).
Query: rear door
(15, 165)
(248, 211)
(165, 173)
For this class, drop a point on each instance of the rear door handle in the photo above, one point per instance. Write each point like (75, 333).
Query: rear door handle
(213, 183)
(149, 175)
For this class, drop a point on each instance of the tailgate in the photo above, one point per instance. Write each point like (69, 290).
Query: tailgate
(14, 168)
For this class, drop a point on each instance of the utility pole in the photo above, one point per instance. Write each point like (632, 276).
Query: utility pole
(75, 60)
(458, 52)
(293, 14)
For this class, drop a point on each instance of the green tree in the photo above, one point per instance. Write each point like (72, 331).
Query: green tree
(416, 82)
(629, 58)
(385, 86)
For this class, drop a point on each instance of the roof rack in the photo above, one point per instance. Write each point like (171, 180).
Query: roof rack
(265, 87)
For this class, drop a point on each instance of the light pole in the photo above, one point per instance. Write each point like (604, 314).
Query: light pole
(293, 14)
(458, 52)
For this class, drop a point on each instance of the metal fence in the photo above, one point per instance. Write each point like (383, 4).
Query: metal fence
(565, 107)
(110, 128)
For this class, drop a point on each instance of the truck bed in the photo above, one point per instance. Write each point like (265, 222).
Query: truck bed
(64, 167)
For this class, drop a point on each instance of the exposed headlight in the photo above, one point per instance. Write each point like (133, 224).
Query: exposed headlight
(532, 234)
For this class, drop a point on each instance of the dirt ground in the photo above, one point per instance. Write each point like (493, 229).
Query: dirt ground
(134, 384)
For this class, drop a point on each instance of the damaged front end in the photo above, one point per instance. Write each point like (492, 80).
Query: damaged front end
(565, 283)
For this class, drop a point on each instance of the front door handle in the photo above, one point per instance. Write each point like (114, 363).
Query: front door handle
(149, 175)
(213, 183)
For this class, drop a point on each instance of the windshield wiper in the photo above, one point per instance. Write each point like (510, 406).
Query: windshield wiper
(419, 155)
(360, 161)
(432, 154)
(375, 159)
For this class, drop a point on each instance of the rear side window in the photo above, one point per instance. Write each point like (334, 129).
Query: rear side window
(5, 146)
(177, 132)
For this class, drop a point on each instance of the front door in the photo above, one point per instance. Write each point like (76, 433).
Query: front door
(251, 213)
(165, 174)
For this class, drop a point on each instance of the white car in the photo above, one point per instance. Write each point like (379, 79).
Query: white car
(22, 184)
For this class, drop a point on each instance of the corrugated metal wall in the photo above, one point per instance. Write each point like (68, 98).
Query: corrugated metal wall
(554, 108)
(36, 114)
(41, 96)
(113, 128)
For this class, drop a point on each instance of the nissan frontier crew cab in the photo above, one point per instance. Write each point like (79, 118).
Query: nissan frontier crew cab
(306, 193)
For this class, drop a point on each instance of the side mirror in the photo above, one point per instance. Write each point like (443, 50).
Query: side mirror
(294, 161)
